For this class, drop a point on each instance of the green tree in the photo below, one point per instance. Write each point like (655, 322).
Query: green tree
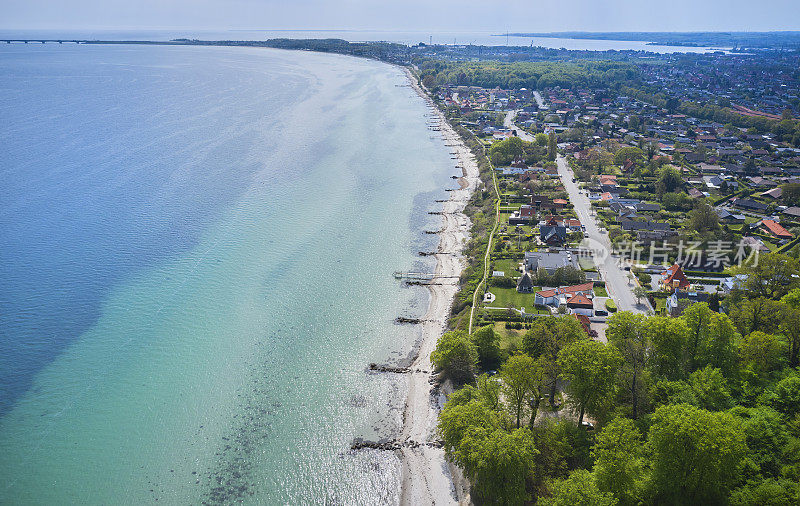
(698, 320)
(792, 299)
(787, 396)
(766, 437)
(628, 153)
(455, 419)
(498, 463)
(697, 456)
(763, 352)
(790, 328)
(710, 389)
(590, 370)
(488, 344)
(791, 194)
(640, 293)
(617, 455)
(455, 355)
(669, 337)
(669, 180)
(522, 377)
(758, 313)
(627, 332)
(721, 348)
(775, 492)
(429, 81)
(504, 152)
(772, 277)
(579, 489)
(703, 219)
(552, 149)
(542, 139)
(546, 337)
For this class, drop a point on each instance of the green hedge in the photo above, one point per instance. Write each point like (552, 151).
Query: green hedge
(611, 306)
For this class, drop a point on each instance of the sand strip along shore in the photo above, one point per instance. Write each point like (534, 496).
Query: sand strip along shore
(427, 478)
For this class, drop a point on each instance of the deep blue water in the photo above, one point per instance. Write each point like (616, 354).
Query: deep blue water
(101, 177)
(196, 257)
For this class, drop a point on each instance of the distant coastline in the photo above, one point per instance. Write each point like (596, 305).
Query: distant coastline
(760, 40)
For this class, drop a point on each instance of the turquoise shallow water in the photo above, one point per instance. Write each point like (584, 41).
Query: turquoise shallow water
(197, 247)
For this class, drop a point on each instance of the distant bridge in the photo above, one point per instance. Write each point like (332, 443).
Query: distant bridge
(41, 41)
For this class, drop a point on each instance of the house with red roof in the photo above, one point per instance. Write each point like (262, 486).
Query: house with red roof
(557, 296)
(571, 223)
(579, 303)
(674, 277)
(606, 179)
(628, 165)
(775, 229)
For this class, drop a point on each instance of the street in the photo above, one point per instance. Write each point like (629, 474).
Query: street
(618, 283)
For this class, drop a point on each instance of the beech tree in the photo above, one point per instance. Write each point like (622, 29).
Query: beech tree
(617, 455)
(710, 389)
(498, 463)
(455, 419)
(580, 488)
(456, 356)
(590, 370)
(627, 332)
(712, 338)
(669, 337)
(763, 352)
(697, 456)
(703, 219)
(790, 328)
(522, 378)
(772, 277)
(546, 337)
(787, 396)
(487, 343)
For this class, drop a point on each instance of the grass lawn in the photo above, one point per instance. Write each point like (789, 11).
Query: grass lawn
(509, 297)
(586, 263)
(509, 266)
(508, 336)
(600, 291)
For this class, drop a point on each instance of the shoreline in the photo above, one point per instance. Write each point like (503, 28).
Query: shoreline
(427, 477)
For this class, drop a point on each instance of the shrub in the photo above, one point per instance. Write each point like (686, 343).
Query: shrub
(611, 306)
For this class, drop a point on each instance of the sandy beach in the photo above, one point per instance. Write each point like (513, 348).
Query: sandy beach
(427, 478)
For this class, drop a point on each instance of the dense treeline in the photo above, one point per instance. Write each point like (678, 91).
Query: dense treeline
(699, 409)
(531, 75)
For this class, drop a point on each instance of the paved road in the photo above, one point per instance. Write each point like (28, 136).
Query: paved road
(618, 283)
(509, 123)
(539, 100)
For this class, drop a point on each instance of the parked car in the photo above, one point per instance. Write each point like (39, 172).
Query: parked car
(587, 425)
(600, 312)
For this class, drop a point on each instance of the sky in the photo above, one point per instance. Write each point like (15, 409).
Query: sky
(405, 15)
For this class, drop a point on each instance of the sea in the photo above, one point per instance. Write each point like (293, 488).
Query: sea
(482, 38)
(197, 248)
